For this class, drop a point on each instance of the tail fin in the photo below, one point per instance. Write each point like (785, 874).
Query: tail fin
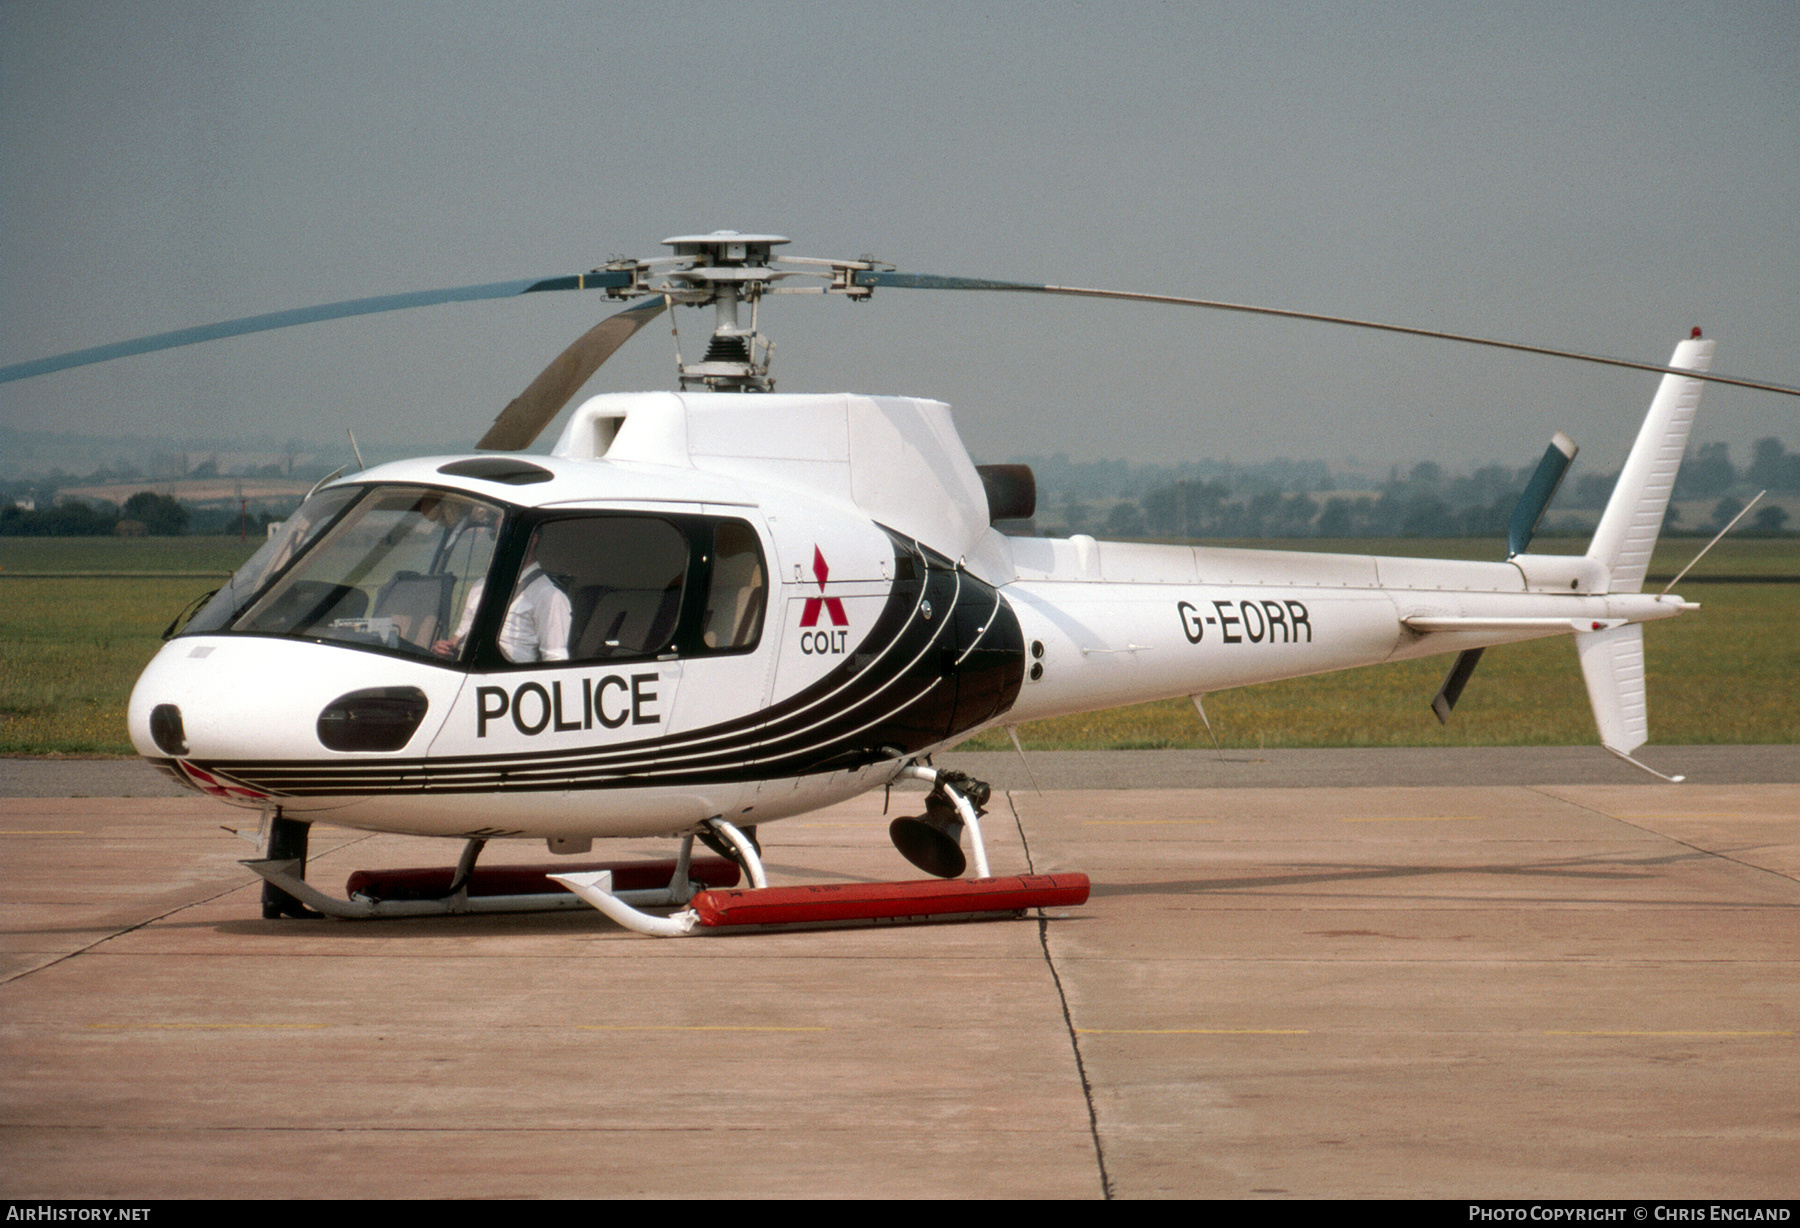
(1612, 661)
(1633, 517)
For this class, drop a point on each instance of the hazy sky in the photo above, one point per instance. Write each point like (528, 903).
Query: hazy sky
(1598, 176)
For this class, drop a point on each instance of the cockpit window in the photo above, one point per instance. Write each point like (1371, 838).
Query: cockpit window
(413, 569)
(295, 534)
(403, 569)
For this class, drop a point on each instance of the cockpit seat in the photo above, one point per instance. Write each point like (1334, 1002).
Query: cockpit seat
(417, 605)
(627, 622)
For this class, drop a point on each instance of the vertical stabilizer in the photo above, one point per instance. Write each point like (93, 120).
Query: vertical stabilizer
(1612, 663)
(1627, 532)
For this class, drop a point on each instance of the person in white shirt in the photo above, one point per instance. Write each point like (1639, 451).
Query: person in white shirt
(537, 621)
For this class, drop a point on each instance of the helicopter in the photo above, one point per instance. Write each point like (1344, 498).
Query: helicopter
(712, 608)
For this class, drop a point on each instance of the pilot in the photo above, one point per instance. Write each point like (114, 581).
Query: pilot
(537, 622)
(452, 644)
(471, 540)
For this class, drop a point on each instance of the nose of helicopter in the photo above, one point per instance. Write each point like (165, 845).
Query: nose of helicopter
(243, 699)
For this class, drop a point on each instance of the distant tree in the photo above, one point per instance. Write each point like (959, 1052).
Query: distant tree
(1337, 520)
(71, 519)
(1486, 485)
(1724, 510)
(1591, 490)
(1186, 509)
(78, 519)
(1490, 520)
(1770, 520)
(1425, 517)
(1125, 520)
(1291, 516)
(1706, 471)
(1772, 468)
(162, 515)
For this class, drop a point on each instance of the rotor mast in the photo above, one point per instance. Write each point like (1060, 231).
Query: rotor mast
(728, 269)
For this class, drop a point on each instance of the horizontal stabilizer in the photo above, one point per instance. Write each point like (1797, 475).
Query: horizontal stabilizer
(1503, 624)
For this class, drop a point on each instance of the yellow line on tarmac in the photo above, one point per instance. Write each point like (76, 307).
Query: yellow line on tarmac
(1689, 814)
(1667, 1032)
(673, 1027)
(1194, 1031)
(204, 1027)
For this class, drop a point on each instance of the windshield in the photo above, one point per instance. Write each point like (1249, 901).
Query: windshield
(294, 535)
(402, 569)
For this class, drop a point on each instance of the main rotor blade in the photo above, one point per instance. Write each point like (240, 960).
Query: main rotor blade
(531, 411)
(599, 279)
(927, 281)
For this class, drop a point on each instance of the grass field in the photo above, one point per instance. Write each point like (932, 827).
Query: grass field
(60, 555)
(70, 650)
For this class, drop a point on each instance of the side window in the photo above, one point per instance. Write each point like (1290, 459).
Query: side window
(595, 588)
(739, 589)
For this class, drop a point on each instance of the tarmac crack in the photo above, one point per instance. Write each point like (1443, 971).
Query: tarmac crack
(1663, 835)
(1062, 998)
(119, 933)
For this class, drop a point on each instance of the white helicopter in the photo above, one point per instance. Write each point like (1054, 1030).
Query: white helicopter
(710, 609)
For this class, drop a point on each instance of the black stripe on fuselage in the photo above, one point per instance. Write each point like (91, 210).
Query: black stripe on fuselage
(906, 686)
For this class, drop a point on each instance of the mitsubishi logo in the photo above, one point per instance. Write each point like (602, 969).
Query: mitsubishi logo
(834, 606)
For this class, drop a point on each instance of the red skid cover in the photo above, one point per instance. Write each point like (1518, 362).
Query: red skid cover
(881, 901)
(434, 882)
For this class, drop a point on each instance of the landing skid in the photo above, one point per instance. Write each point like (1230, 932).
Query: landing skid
(442, 892)
(840, 904)
(700, 889)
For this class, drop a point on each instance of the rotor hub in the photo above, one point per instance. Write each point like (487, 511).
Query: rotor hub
(727, 268)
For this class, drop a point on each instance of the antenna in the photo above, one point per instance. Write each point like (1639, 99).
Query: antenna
(1709, 545)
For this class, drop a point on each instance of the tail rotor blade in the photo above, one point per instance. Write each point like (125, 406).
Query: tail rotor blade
(1454, 682)
(531, 411)
(1528, 513)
